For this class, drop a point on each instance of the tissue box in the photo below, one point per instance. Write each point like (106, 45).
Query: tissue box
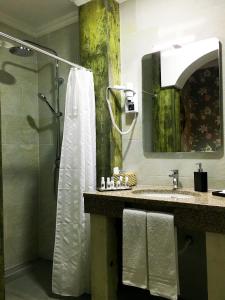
(132, 179)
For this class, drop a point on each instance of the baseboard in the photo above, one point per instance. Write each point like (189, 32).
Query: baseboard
(18, 270)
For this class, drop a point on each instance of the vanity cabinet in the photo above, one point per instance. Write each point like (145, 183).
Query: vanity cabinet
(204, 214)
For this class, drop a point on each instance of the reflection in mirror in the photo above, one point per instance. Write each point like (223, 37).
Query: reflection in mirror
(181, 98)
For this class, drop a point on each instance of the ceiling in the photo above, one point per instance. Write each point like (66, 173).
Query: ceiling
(38, 17)
(81, 2)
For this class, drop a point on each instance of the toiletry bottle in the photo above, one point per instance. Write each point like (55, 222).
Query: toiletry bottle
(121, 181)
(102, 183)
(118, 184)
(116, 171)
(112, 183)
(126, 181)
(108, 183)
(200, 180)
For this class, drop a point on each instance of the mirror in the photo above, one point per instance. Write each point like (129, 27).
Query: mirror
(181, 98)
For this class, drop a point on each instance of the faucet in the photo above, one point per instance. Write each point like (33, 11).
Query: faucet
(174, 175)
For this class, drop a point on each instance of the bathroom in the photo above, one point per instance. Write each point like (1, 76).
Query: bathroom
(28, 129)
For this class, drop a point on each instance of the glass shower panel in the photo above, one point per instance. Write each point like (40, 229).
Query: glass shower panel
(30, 86)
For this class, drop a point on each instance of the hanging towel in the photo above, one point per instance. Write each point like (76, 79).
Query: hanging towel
(162, 256)
(134, 248)
(77, 174)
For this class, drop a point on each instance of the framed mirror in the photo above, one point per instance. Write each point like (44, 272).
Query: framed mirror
(182, 99)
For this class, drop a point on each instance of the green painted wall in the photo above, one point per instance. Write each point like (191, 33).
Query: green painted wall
(100, 51)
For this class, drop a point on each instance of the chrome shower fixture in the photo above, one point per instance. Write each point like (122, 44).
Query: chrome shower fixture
(44, 98)
(60, 80)
(21, 51)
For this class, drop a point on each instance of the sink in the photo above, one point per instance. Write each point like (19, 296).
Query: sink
(166, 194)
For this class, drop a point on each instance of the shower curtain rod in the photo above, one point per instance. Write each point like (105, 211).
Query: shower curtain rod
(41, 50)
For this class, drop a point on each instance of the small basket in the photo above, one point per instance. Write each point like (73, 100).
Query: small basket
(132, 179)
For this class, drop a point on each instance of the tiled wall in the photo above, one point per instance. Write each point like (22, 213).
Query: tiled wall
(18, 95)
(28, 145)
(148, 23)
(65, 42)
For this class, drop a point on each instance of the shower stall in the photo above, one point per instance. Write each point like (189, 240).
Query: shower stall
(24, 51)
(33, 81)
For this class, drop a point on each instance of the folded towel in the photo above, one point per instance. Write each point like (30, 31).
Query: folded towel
(134, 248)
(162, 255)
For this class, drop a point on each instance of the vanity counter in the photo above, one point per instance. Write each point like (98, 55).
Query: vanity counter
(202, 211)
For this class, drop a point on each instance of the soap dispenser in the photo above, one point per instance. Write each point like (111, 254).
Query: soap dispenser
(200, 180)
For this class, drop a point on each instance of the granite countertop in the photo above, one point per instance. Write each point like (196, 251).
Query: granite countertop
(201, 211)
(197, 199)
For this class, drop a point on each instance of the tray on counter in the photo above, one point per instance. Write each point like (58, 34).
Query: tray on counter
(114, 190)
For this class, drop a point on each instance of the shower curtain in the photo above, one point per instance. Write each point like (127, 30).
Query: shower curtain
(77, 174)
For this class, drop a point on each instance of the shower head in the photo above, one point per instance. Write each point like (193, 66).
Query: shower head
(21, 51)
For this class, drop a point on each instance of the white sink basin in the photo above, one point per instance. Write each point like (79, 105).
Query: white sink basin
(166, 194)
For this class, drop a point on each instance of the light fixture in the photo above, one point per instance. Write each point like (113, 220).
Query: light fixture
(173, 44)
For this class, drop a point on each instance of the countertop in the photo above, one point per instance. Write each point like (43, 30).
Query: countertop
(202, 211)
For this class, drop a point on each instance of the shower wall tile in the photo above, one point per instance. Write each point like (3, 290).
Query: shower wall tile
(47, 202)
(46, 159)
(10, 99)
(46, 131)
(23, 75)
(18, 131)
(17, 159)
(28, 137)
(29, 188)
(20, 192)
(20, 154)
(29, 101)
(21, 241)
(19, 100)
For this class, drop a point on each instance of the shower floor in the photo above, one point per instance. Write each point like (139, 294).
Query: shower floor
(34, 284)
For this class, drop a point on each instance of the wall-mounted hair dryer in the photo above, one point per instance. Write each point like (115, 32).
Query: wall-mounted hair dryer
(131, 104)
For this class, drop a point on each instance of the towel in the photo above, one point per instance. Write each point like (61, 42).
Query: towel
(162, 255)
(134, 248)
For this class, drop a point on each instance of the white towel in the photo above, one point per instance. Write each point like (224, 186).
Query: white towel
(162, 256)
(134, 248)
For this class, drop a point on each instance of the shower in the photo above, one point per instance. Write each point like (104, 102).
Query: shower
(24, 51)
(35, 134)
(44, 99)
(21, 51)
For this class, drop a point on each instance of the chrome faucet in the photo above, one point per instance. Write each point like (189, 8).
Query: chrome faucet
(175, 177)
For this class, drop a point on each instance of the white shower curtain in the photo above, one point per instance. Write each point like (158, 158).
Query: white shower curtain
(77, 174)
